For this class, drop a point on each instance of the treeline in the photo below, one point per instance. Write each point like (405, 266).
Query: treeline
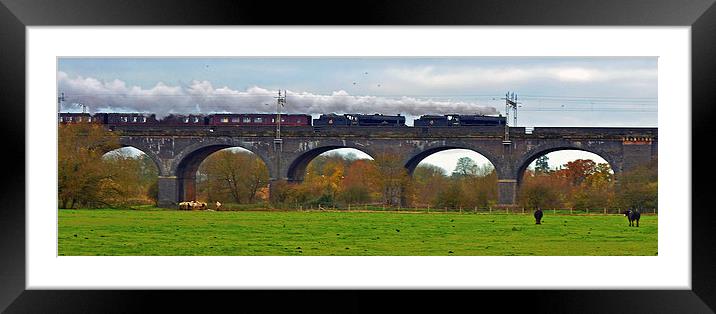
(584, 184)
(87, 179)
(336, 180)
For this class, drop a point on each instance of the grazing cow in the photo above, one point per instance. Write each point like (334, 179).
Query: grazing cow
(632, 216)
(538, 216)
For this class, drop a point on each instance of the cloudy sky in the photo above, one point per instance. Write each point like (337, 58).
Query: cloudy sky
(556, 91)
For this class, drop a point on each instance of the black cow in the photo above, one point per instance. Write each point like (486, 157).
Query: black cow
(632, 216)
(538, 216)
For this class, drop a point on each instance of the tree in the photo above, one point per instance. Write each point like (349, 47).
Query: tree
(356, 187)
(83, 179)
(465, 167)
(638, 188)
(428, 181)
(542, 165)
(392, 178)
(480, 190)
(542, 191)
(450, 197)
(577, 171)
(233, 175)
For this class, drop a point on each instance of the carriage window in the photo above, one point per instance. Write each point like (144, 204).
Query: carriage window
(89, 119)
(144, 119)
(258, 120)
(186, 120)
(235, 119)
(124, 119)
(134, 119)
(283, 120)
(247, 120)
(224, 120)
(196, 119)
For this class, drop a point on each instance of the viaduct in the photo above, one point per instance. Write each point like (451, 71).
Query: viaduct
(178, 151)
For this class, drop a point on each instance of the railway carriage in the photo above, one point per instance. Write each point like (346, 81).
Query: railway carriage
(258, 119)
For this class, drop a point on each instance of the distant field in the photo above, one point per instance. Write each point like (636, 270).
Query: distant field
(280, 233)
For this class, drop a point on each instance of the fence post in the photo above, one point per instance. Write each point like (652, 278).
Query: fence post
(570, 211)
(490, 207)
(523, 210)
(554, 210)
(587, 210)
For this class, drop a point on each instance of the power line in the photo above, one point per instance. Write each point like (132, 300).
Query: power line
(556, 98)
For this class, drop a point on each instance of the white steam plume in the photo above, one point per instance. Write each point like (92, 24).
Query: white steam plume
(203, 97)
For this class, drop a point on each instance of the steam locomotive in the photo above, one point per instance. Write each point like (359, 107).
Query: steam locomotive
(459, 120)
(335, 120)
(288, 120)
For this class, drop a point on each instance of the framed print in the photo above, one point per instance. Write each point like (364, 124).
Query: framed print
(83, 49)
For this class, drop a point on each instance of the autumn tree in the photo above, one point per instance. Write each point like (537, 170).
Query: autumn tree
(392, 178)
(480, 190)
(131, 178)
(356, 186)
(596, 190)
(429, 180)
(233, 175)
(638, 188)
(83, 179)
(542, 191)
(577, 171)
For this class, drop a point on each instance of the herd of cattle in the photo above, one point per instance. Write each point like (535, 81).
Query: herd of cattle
(193, 205)
(631, 215)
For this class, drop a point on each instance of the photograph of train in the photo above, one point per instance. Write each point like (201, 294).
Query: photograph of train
(357, 156)
(287, 120)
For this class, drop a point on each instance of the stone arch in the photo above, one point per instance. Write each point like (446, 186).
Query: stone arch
(187, 162)
(296, 170)
(615, 161)
(157, 161)
(412, 161)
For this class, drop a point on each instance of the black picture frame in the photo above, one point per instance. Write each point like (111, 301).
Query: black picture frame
(15, 15)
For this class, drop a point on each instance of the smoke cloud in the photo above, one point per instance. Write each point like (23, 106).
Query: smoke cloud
(203, 97)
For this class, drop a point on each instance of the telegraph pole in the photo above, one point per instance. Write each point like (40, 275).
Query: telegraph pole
(280, 102)
(510, 102)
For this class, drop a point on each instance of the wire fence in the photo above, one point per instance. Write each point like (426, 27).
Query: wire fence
(504, 210)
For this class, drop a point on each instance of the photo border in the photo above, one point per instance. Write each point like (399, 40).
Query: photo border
(15, 15)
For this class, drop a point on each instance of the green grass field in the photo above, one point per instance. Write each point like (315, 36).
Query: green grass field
(281, 233)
